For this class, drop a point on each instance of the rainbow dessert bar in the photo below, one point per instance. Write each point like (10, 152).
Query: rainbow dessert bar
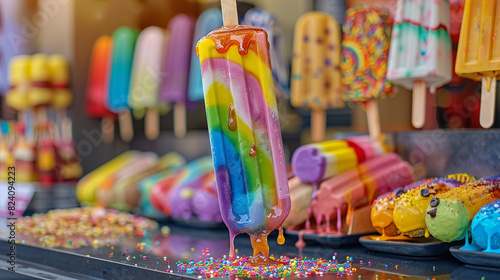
(245, 134)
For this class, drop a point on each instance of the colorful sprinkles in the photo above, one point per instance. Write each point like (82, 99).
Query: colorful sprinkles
(242, 267)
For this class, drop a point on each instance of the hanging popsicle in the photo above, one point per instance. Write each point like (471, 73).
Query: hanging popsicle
(365, 48)
(146, 78)
(316, 73)
(420, 51)
(124, 39)
(96, 98)
(175, 69)
(477, 55)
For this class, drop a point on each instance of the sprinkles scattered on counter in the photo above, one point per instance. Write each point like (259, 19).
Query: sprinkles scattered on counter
(296, 267)
(86, 226)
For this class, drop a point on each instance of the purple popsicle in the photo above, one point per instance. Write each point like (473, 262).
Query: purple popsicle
(175, 69)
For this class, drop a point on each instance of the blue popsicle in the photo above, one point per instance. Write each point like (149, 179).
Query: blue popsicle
(124, 39)
(208, 20)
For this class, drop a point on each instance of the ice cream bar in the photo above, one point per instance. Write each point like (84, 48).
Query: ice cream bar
(316, 77)
(174, 85)
(207, 21)
(146, 76)
(203, 203)
(168, 164)
(384, 173)
(263, 19)
(315, 162)
(358, 187)
(96, 98)
(112, 192)
(365, 49)
(244, 131)
(420, 51)
(124, 39)
(19, 81)
(301, 197)
(477, 55)
(190, 172)
(87, 186)
(181, 197)
(335, 195)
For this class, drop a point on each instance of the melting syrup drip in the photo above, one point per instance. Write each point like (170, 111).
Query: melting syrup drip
(231, 120)
(253, 151)
(240, 36)
(281, 238)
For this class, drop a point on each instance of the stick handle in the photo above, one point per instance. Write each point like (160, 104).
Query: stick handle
(488, 94)
(126, 128)
(229, 12)
(318, 125)
(152, 123)
(373, 118)
(418, 110)
(180, 120)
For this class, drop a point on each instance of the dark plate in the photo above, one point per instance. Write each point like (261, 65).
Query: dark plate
(475, 257)
(420, 247)
(198, 224)
(330, 240)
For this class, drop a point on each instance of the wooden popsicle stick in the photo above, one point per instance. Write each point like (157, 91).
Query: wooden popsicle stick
(229, 12)
(126, 128)
(180, 120)
(488, 94)
(318, 125)
(373, 118)
(152, 123)
(418, 104)
(108, 130)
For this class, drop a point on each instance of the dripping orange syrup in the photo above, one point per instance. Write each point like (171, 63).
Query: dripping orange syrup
(261, 250)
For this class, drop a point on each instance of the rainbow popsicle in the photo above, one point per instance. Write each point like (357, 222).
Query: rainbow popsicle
(263, 19)
(124, 39)
(244, 131)
(190, 172)
(145, 79)
(174, 85)
(313, 163)
(170, 162)
(87, 186)
(358, 187)
(207, 21)
(96, 98)
(365, 49)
